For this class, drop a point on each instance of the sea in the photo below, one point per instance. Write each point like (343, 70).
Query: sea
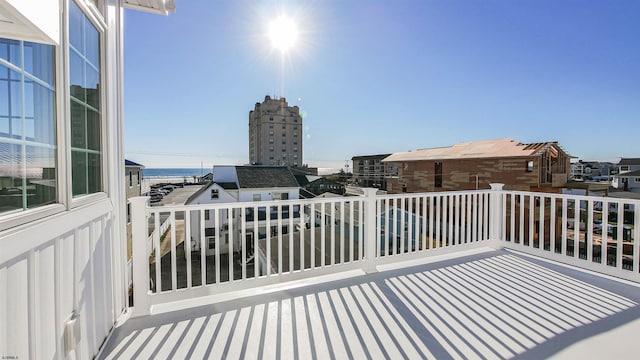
(173, 172)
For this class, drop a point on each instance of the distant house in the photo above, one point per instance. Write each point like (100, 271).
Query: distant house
(321, 186)
(370, 171)
(133, 178)
(242, 184)
(474, 165)
(588, 170)
(627, 181)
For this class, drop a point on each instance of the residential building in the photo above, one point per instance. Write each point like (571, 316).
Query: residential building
(241, 184)
(275, 133)
(474, 165)
(133, 178)
(370, 171)
(63, 281)
(628, 164)
(592, 170)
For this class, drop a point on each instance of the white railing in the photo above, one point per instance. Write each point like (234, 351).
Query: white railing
(212, 249)
(596, 233)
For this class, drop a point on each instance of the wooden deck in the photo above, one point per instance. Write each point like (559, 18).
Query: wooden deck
(496, 304)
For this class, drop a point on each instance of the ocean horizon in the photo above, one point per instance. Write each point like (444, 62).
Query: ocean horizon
(174, 172)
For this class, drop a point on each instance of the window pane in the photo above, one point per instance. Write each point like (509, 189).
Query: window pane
(94, 175)
(86, 119)
(93, 130)
(79, 172)
(41, 176)
(76, 24)
(11, 192)
(77, 76)
(37, 61)
(78, 128)
(27, 171)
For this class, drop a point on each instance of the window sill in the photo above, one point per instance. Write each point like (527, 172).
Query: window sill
(87, 199)
(13, 220)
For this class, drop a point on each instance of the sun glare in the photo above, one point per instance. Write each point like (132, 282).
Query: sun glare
(283, 33)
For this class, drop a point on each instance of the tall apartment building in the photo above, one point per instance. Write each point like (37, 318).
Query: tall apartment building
(275, 133)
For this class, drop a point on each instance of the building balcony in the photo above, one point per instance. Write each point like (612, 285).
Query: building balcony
(474, 274)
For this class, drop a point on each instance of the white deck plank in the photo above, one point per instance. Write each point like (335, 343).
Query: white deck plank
(200, 351)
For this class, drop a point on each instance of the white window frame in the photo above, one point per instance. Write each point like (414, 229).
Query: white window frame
(95, 17)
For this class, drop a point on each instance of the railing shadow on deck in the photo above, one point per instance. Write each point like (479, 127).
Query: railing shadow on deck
(496, 305)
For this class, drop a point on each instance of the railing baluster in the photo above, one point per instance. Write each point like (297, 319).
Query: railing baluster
(589, 230)
(552, 224)
(512, 231)
(463, 218)
(230, 220)
(203, 249)
(312, 253)
(565, 213)
(268, 239)
(156, 243)
(322, 234)
(485, 201)
(279, 227)
(620, 236)
(457, 222)
(187, 247)
(576, 228)
(243, 240)
(352, 225)
(361, 230)
(423, 233)
(401, 225)
(532, 215)
(438, 224)
(217, 225)
(333, 233)
(635, 264)
(256, 239)
(342, 232)
(541, 237)
(303, 230)
(291, 229)
(174, 268)
(378, 228)
(432, 241)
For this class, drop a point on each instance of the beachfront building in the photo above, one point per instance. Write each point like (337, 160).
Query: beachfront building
(63, 281)
(275, 133)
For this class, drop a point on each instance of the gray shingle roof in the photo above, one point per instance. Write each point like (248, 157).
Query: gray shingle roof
(265, 177)
(629, 161)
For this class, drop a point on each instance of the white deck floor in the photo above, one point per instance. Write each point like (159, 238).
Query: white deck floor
(491, 305)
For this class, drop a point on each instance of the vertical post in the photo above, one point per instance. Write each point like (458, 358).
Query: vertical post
(140, 258)
(369, 226)
(495, 216)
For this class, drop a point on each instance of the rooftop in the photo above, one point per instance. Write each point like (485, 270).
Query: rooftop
(488, 304)
(474, 150)
(265, 177)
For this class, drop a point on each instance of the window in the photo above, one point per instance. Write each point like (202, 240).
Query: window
(130, 178)
(625, 168)
(284, 126)
(86, 115)
(270, 132)
(257, 197)
(438, 175)
(138, 177)
(529, 166)
(27, 125)
(637, 180)
(206, 215)
(270, 126)
(284, 134)
(214, 194)
(270, 140)
(280, 196)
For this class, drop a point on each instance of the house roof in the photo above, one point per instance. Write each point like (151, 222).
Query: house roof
(635, 173)
(228, 185)
(629, 161)
(197, 193)
(369, 157)
(129, 163)
(477, 149)
(265, 177)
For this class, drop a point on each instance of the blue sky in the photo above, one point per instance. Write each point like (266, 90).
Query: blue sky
(384, 76)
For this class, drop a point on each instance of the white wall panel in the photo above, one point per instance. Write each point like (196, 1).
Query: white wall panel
(45, 311)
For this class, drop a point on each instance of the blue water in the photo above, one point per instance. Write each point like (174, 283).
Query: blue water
(171, 172)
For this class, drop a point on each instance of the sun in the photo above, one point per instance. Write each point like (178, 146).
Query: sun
(283, 33)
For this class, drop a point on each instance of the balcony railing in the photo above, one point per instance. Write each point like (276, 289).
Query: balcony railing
(211, 249)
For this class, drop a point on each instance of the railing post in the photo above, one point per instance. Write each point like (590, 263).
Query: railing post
(370, 242)
(495, 217)
(140, 258)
